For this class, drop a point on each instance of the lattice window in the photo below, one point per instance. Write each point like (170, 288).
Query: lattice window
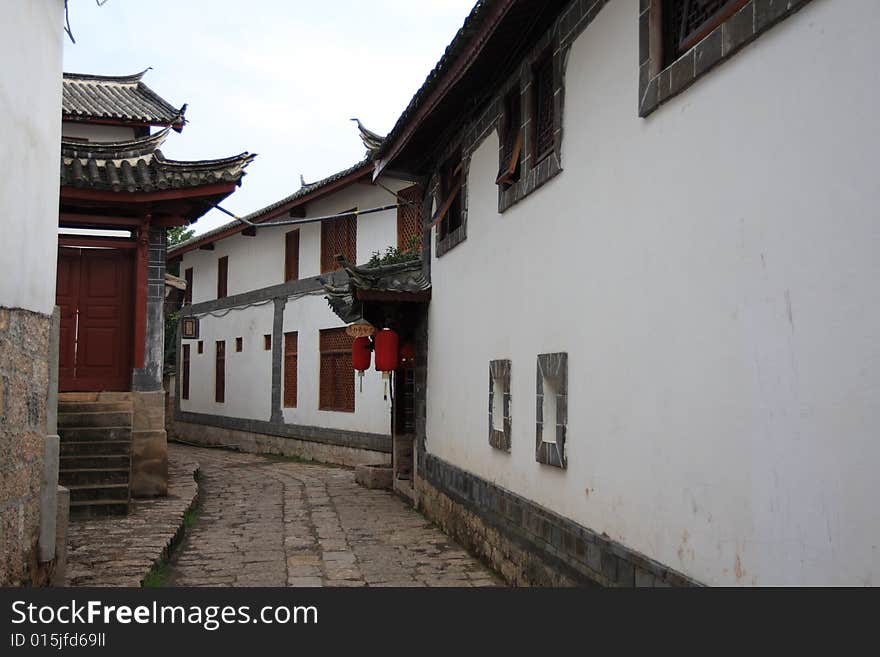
(685, 22)
(337, 371)
(543, 108)
(290, 364)
(409, 219)
(338, 236)
(220, 373)
(450, 191)
(511, 140)
(184, 378)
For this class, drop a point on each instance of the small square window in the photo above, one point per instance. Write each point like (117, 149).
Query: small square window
(552, 410)
(499, 404)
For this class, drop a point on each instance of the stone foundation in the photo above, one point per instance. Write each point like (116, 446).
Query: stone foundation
(526, 543)
(259, 443)
(149, 445)
(24, 382)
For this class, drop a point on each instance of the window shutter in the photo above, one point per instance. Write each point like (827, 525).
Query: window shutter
(290, 365)
(291, 256)
(184, 377)
(338, 236)
(336, 389)
(220, 373)
(222, 273)
(409, 218)
(188, 293)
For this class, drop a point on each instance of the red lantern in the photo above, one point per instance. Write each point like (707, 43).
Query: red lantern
(407, 355)
(386, 350)
(360, 353)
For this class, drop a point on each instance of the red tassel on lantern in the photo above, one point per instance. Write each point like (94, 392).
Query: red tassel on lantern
(360, 354)
(386, 350)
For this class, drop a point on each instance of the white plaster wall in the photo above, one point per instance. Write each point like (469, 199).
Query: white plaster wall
(30, 134)
(712, 273)
(248, 373)
(95, 132)
(258, 262)
(372, 413)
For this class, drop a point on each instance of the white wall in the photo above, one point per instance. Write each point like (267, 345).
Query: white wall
(96, 132)
(712, 273)
(30, 133)
(258, 262)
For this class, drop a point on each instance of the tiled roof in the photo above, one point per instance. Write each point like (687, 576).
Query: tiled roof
(123, 98)
(404, 279)
(139, 166)
(257, 216)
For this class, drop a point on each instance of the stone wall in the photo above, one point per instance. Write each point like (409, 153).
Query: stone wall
(24, 381)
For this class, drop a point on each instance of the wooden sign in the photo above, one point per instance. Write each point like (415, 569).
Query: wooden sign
(360, 330)
(189, 328)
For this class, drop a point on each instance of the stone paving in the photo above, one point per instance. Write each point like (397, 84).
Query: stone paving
(265, 521)
(121, 550)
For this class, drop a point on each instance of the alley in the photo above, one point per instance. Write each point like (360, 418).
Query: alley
(267, 521)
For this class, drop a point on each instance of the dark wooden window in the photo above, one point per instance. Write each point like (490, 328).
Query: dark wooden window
(267, 342)
(450, 191)
(511, 140)
(188, 293)
(290, 346)
(409, 219)
(220, 373)
(222, 276)
(184, 376)
(685, 22)
(543, 108)
(338, 236)
(201, 347)
(337, 372)
(291, 256)
(239, 344)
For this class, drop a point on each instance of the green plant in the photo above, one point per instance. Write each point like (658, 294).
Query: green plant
(394, 255)
(158, 575)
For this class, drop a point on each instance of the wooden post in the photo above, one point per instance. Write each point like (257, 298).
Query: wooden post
(141, 265)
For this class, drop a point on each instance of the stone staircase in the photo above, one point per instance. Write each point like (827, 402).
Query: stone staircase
(95, 430)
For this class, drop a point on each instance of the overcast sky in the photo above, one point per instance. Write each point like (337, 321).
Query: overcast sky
(280, 78)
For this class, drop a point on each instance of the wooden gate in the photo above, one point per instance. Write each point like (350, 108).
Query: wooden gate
(94, 292)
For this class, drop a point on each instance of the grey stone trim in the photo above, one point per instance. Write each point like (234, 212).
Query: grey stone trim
(354, 439)
(554, 368)
(284, 290)
(658, 84)
(499, 370)
(586, 556)
(277, 359)
(149, 378)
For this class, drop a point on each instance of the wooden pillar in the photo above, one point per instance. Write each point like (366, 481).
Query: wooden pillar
(141, 266)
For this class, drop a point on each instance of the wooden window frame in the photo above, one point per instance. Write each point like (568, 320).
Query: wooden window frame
(220, 372)
(291, 363)
(291, 255)
(545, 63)
(223, 277)
(333, 356)
(685, 42)
(185, 372)
(188, 292)
(329, 262)
(449, 187)
(407, 240)
(510, 152)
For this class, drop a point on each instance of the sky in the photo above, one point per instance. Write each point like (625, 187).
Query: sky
(280, 78)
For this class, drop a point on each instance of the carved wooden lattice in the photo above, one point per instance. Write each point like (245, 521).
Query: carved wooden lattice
(409, 218)
(220, 373)
(543, 99)
(338, 236)
(686, 21)
(290, 364)
(337, 371)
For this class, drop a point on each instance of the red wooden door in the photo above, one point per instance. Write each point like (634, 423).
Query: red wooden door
(95, 296)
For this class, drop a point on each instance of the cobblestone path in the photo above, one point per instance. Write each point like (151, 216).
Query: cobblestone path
(273, 522)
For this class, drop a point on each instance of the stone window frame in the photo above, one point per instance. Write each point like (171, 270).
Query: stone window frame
(659, 83)
(552, 366)
(454, 238)
(499, 370)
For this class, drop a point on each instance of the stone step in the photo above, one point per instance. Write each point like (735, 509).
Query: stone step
(117, 419)
(93, 396)
(89, 434)
(94, 407)
(95, 461)
(89, 492)
(98, 508)
(92, 476)
(95, 448)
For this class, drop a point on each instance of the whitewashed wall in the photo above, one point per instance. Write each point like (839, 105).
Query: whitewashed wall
(712, 272)
(94, 132)
(30, 134)
(258, 262)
